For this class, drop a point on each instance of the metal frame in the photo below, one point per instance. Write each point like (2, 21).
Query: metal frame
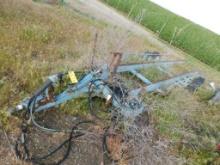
(97, 78)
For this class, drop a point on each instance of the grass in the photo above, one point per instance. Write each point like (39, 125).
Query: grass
(33, 38)
(189, 123)
(38, 39)
(154, 74)
(191, 38)
(185, 119)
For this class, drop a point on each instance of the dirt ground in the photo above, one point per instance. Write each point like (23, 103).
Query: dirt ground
(152, 149)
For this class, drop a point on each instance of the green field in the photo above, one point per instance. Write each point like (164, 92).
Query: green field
(182, 33)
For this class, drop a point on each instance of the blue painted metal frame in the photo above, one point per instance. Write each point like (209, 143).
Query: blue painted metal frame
(181, 81)
(96, 79)
(127, 68)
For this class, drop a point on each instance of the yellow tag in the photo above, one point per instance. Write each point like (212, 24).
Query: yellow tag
(72, 76)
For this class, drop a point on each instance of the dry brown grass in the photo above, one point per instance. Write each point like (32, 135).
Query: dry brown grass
(39, 39)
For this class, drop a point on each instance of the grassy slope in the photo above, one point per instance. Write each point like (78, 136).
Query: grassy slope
(193, 39)
(186, 120)
(38, 39)
(35, 42)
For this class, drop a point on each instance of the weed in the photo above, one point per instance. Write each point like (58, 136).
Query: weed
(4, 119)
(204, 93)
(168, 123)
(153, 74)
(189, 124)
(35, 34)
(77, 107)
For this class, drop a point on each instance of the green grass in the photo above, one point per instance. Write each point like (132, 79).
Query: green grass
(154, 74)
(189, 123)
(32, 38)
(38, 40)
(191, 38)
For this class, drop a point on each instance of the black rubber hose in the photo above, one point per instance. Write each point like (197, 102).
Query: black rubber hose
(67, 141)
